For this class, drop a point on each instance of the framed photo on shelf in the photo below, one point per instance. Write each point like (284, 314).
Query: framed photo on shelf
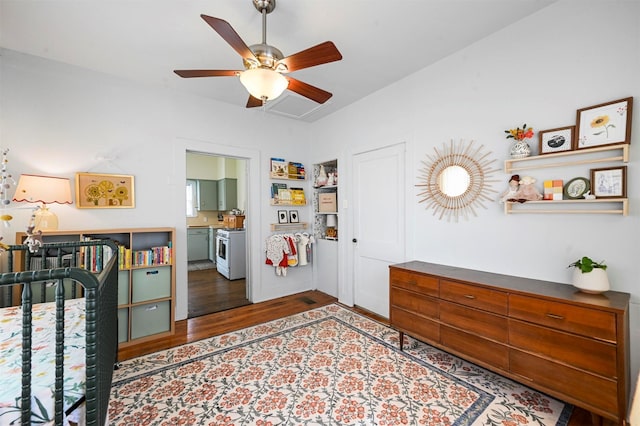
(283, 217)
(610, 182)
(556, 140)
(293, 216)
(103, 191)
(604, 124)
(576, 188)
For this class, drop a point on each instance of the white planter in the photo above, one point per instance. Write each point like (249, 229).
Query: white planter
(595, 281)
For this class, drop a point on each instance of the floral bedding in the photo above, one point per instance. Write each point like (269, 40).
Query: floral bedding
(42, 361)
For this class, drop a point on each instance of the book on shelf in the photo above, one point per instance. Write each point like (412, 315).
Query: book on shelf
(279, 167)
(95, 258)
(160, 255)
(296, 170)
(297, 196)
(275, 189)
(284, 196)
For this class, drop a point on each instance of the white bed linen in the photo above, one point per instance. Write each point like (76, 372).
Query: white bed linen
(42, 360)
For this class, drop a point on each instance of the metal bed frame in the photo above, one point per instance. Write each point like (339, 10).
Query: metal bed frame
(100, 291)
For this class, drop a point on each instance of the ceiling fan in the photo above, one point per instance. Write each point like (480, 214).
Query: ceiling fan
(265, 66)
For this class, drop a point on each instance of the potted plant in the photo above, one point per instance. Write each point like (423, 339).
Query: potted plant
(590, 276)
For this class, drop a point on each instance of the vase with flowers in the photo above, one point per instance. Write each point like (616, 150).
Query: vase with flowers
(520, 148)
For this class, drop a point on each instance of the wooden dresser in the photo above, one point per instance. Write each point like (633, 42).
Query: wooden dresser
(548, 336)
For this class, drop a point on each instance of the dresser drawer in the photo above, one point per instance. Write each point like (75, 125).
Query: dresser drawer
(419, 327)
(414, 302)
(411, 281)
(476, 297)
(476, 348)
(578, 386)
(575, 319)
(479, 322)
(588, 354)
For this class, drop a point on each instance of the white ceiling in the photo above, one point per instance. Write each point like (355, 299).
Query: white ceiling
(145, 40)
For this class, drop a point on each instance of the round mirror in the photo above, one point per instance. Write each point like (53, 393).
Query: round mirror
(456, 180)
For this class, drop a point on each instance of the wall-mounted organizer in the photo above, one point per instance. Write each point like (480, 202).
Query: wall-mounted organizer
(601, 156)
(146, 279)
(287, 194)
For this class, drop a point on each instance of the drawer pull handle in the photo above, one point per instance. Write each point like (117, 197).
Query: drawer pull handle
(469, 296)
(151, 308)
(554, 316)
(153, 272)
(529, 379)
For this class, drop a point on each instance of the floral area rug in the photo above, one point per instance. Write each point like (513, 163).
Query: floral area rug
(328, 366)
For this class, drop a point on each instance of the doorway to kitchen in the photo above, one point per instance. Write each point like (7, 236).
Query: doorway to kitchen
(216, 197)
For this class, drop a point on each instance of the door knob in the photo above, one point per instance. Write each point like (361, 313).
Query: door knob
(355, 240)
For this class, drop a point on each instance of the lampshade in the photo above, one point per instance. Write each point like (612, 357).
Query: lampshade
(263, 83)
(45, 190)
(332, 220)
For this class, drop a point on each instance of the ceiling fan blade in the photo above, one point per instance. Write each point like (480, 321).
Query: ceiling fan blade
(254, 102)
(225, 30)
(206, 73)
(308, 91)
(316, 55)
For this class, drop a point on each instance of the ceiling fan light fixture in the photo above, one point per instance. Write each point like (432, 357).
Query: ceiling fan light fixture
(263, 83)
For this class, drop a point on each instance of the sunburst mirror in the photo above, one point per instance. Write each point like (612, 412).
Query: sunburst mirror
(456, 180)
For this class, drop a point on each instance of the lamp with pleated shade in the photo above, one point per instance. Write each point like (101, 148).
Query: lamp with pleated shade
(45, 190)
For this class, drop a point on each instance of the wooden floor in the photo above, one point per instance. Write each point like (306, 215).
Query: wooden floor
(210, 291)
(199, 328)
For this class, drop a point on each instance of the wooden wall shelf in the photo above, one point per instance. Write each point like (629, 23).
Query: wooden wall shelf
(596, 206)
(512, 165)
(275, 227)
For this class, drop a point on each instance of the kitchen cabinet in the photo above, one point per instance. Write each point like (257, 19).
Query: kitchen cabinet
(197, 244)
(207, 195)
(571, 345)
(227, 194)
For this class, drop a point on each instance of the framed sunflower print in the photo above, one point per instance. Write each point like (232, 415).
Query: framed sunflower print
(101, 191)
(604, 124)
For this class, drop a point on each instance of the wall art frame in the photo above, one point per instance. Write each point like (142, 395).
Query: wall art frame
(293, 216)
(283, 216)
(104, 191)
(610, 182)
(608, 123)
(560, 139)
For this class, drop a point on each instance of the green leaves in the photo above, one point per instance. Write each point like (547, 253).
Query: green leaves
(586, 264)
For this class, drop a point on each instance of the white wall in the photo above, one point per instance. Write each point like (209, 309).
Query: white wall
(540, 71)
(58, 120)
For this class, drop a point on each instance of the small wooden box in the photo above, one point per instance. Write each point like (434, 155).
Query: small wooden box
(233, 221)
(327, 202)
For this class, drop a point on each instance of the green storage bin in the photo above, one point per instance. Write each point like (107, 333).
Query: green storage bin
(149, 319)
(123, 325)
(123, 287)
(151, 283)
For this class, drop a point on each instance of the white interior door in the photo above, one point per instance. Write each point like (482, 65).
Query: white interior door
(379, 224)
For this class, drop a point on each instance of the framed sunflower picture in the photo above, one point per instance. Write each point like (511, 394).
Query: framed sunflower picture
(604, 124)
(102, 191)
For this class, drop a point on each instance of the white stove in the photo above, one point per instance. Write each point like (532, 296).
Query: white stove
(231, 253)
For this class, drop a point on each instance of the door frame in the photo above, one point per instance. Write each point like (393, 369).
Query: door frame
(252, 214)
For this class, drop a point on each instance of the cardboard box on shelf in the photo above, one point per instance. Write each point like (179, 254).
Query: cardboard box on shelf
(327, 202)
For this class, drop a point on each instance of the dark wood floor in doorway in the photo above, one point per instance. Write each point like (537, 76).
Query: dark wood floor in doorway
(210, 291)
